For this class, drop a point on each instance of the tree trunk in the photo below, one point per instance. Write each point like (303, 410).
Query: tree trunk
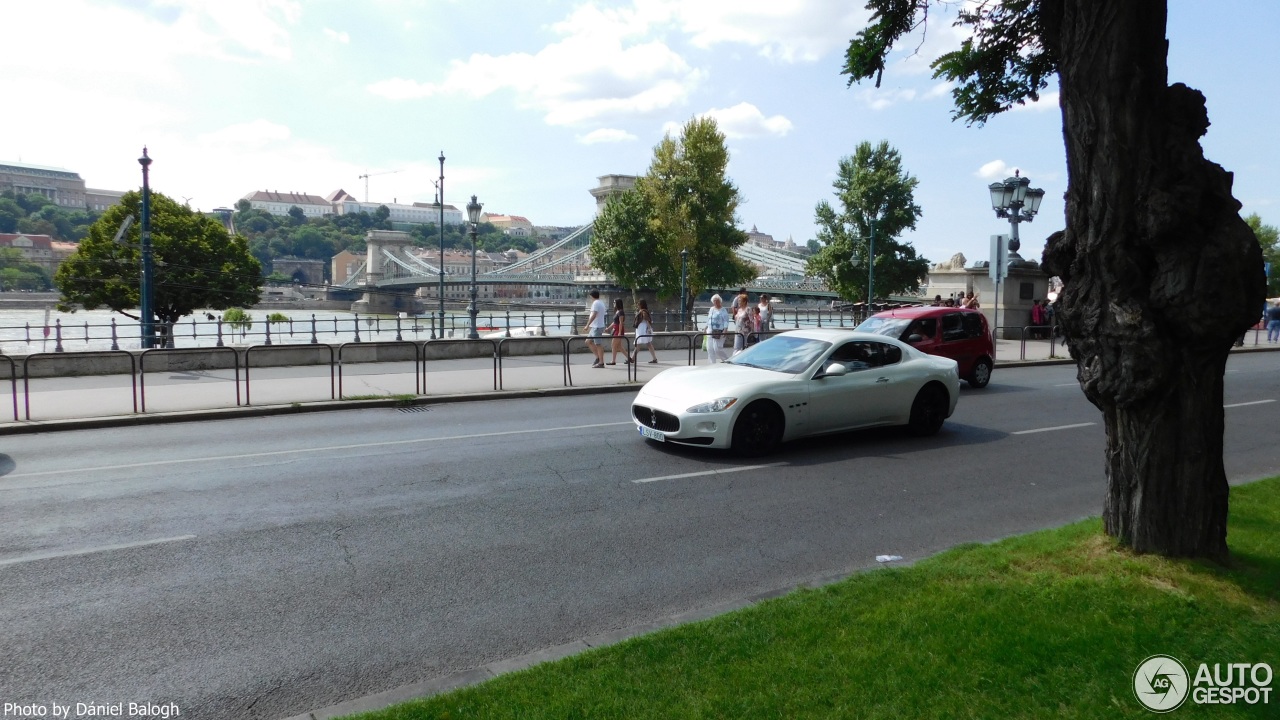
(1161, 274)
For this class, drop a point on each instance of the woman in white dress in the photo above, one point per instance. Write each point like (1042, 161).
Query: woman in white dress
(644, 332)
(743, 323)
(717, 323)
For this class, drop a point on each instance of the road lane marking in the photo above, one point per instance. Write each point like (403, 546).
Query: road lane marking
(721, 471)
(1049, 429)
(1071, 384)
(276, 453)
(90, 551)
(1255, 402)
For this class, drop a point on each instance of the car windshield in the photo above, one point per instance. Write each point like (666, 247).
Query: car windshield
(890, 326)
(782, 353)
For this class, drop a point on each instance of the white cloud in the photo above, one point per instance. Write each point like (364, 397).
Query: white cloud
(793, 31)
(341, 37)
(1048, 101)
(596, 71)
(880, 98)
(401, 89)
(606, 135)
(939, 90)
(743, 120)
(994, 170)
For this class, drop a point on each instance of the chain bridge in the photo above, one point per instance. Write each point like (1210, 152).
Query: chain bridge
(390, 265)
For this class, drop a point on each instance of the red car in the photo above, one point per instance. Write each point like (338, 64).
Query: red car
(957, 333)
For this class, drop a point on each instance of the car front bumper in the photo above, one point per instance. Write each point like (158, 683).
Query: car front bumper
(663, 420)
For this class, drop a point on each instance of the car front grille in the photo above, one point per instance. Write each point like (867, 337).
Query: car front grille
(656, 419)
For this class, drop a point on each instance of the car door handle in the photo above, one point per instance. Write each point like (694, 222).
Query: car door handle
(883, 379)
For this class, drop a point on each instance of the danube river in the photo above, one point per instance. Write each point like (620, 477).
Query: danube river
(36, 330)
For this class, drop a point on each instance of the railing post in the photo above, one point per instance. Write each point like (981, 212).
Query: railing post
(268, 324)
(542, 314)
(57, 327)
(115, 345)
(28, 333)
(219, 331)
(508, 322)
(795, 315)
(357, 321)
(314, 341)
(398, 338)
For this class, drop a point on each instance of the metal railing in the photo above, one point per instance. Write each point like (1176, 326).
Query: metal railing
(508, 321)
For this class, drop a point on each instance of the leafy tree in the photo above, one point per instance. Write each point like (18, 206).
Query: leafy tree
(296, 216)
(813, 245)
(243, 205)
(1269, 238)
(17, 273)
(197, 263)
(622, 244)
(1160, 272)
(10, 213)
(688, 204)
(870, 186)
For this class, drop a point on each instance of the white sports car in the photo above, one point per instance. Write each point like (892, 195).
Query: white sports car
(796, 384)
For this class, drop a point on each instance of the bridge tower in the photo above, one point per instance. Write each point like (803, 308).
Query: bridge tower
(378, 268)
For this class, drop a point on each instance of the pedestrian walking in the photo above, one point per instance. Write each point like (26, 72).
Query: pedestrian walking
(644, 333)
(1273, 323)
(595, 328)
(766, 313)
(717, 323)
(617, 329)
(742, 324)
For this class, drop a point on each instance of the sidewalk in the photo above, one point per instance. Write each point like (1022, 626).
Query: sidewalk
(171, 396)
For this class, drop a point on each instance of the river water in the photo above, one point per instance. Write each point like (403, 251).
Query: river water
(36, 330)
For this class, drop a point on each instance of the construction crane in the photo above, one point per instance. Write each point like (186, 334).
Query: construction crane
(366, 177)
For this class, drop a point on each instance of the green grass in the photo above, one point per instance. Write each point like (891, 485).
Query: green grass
(401, 398)
(1050, 624)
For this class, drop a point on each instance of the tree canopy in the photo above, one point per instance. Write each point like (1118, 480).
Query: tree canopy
(683, 203)
(1269, 238)
(1160, 273)
(870, 186)
(38, 215)
(198, 264)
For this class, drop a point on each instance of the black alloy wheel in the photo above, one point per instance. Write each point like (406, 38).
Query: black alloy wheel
(758, 430)
(928, 411)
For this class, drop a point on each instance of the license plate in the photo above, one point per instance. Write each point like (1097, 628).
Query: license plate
(652, 434)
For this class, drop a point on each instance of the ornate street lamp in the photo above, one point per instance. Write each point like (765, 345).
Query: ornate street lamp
(684, 300)
(1016, 200)
(147, 290)
(440, 204)
(473, 214)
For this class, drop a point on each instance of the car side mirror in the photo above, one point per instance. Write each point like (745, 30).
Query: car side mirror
(835, 369)
(915, 338)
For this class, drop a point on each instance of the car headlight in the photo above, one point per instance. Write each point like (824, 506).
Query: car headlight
(717, 405)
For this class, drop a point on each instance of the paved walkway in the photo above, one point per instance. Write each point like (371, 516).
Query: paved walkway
(175, 396)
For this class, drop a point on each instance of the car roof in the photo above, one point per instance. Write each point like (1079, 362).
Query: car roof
(911, 313)
(835, 334)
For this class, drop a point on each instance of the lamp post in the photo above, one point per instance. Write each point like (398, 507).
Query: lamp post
(684, 292)
(871, 268)
(1016, 200)
(440, 204)
(473, 214)
(146, 290)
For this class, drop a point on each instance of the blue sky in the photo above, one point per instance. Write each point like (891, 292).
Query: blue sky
(530, 101)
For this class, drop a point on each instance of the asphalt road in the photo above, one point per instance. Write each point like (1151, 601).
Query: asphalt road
(259, 568)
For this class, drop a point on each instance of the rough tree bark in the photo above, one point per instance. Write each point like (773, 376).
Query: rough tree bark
(1161, 273)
